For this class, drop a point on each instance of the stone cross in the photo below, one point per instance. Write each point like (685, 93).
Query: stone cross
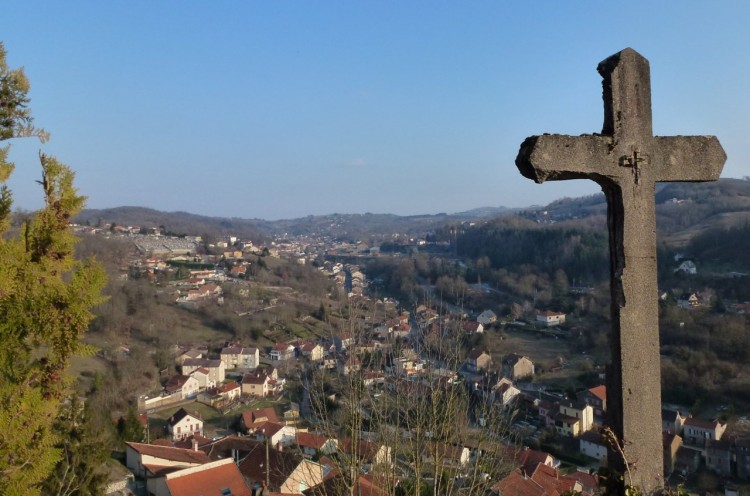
(626, 160)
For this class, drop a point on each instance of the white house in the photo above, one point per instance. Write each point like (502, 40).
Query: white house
(487, 317)
(550, 319)
(203, 377)
(216, 368)
(276, 433)
(184, 385)
(240, 357)
(591, 444)
(138, 456)
(182, 425)
(504, 392)
(687, 267)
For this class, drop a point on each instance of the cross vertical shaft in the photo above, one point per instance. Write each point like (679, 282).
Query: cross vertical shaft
(626, 160)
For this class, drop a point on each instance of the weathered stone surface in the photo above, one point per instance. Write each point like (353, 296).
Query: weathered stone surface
(626, 160)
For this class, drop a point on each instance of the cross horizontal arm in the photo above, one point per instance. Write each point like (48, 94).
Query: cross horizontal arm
(553, 157)
(688, 158)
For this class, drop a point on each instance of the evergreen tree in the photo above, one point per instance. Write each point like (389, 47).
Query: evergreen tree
(79, 471)
(129, 428)
(45, 301)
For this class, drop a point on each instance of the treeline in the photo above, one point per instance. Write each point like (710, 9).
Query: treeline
(683, 205)
(705, 356)
(175, 222)
(517, 245)
(725, 246)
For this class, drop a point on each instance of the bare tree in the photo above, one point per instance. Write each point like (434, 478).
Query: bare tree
(404, 412)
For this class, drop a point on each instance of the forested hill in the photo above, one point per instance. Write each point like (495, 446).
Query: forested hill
(709, 222)
(336, 226)
(176, 223)
(684, 210)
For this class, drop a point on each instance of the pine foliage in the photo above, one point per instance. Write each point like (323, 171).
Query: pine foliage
(45, 301)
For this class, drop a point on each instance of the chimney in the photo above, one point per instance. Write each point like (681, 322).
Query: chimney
(195, 444)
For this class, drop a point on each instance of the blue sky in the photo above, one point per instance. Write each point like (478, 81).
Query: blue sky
(285, 109)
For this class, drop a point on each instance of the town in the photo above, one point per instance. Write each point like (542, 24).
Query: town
(343, 394)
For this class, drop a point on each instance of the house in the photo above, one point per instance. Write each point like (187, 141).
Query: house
(183, 424)
(203, 376)
(238, 270)
(478, 360)
(312, 351)
(542, 480)
(275, 433)
(184, 386)
(251, 420)
(504, 392)
(742, 454)
(257, 384)
(687, 460)
(550, 319)
(526, 458)
(262, 382)
(472, 327)
(287, 472)
(368, 453)
(191, 353)
(597, 398)
(234, 447)
(672, 421)
(313, 444)
(573, 418)
(372, 377)
(591, 444)
(348, 364)
(282, 351)
(671, 443)
(365, 485)
(138, 456)
(687, 267)
(216, 368)
(230, 391)
(240, 357)
(445, 455)
(517, 367)
(487, 317)
(406, 365)
(689, 301)
(221, 477)
(222, 395)
(697, 432)
(720, 456)
(343, 340)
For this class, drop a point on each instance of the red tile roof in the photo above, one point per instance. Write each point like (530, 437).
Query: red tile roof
(516, 484)
(229, 386)
(701, 424)
(221, 475)
(279, 466)
(600, 392)
(310, 440)
(254, 418)
(168, 453)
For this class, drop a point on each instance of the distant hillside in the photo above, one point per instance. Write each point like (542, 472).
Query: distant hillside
(709, 222)
(334, 226)
(175, 222)
(684, 210)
